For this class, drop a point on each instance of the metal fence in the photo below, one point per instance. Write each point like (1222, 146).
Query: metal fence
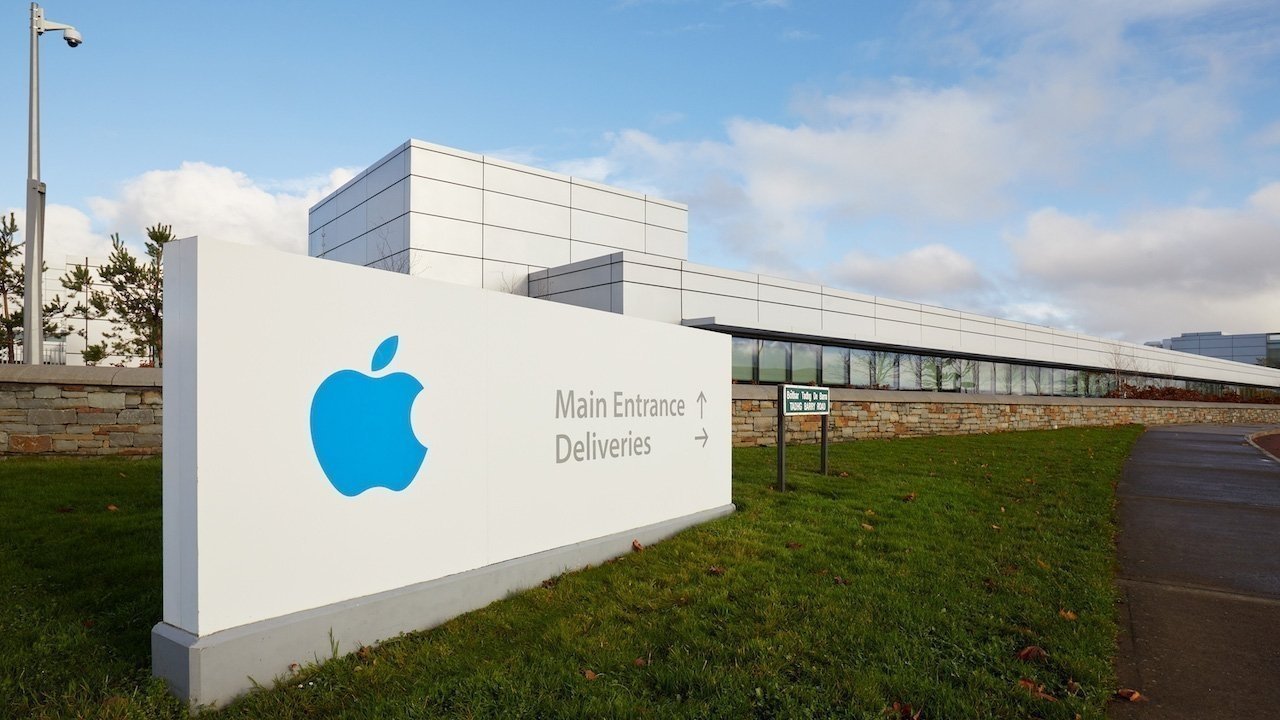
(55, 353)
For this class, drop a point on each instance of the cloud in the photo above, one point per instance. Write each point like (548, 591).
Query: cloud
(931, 273)
(1160, 273)
(798, 35)
(196, 199)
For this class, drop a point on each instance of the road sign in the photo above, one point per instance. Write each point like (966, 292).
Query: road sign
(806, 400)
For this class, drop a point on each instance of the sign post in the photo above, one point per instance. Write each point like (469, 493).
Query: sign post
(800, 400)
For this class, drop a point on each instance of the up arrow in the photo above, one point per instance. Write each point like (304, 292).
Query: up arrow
(702, 437)
(702, 404)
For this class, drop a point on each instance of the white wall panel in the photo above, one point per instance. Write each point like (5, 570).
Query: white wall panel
(896, 332)
(389, 239)
(615, 202)
(387, 205)
(607, 230)
(666, 242)
(789, 318)
(599, 297)
(524, 214)
(664, 215)
(650, 302)
(639, 272)
(729, 284)
(590, 276)
(528, 248)
(851, 327)
(940, 339)
(525, 184)
(579, 251)
(438, 234)
(445, 268)
(726, 310)
(387, 174)
(435, 197)
(446, 167)
(512, 278)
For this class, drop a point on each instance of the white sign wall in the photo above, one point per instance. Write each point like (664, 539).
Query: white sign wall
(303, 467)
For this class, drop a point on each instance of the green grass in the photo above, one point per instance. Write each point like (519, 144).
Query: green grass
(814, 615)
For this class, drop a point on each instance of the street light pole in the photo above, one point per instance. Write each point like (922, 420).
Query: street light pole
(32, 296)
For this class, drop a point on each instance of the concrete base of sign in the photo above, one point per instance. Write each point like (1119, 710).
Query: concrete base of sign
(214, 669)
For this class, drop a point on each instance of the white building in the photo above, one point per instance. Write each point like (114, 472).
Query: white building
(459, 217)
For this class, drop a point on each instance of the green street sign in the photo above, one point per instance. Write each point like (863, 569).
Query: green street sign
(806, 400)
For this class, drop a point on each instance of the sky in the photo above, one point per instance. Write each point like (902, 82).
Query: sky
(1105, 166)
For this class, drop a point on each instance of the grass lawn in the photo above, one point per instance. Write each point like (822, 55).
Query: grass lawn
(914, 574)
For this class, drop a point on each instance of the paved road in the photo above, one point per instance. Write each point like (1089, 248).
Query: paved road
(1199, 579)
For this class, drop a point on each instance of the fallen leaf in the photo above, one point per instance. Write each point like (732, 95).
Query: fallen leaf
(66, 509)
(588, 674)
(112, 508)
(364, 652)
(1032, 653)
(87, 623)
(840, 581)
(122, 475)
(715, 570)
(843, 474)
(639, 662)
(1067, 615)
(1130, 695)
(1036, 690)
(294, 667)
(904, 711)
(637, 546)
(794, 546)
(550, 583)
(995, 527)
(1001, 508)
(909, 497)
(870, 512)
(1042, 564)
(868, 528)
(1073, 687)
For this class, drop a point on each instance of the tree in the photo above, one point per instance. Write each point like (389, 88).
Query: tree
(78, 282)
(12, 286)
(133, 301)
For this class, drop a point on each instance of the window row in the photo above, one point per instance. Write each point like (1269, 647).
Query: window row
(778, 361)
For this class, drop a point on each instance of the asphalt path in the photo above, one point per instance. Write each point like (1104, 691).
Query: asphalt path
(1199, 574)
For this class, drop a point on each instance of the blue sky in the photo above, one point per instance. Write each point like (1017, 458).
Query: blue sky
(1111, 166)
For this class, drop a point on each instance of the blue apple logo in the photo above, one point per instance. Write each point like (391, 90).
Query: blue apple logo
(361, 429)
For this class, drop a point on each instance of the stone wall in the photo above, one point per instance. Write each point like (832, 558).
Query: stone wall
(886, 414)
(61, 410)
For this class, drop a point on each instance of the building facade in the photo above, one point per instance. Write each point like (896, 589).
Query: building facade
(1252, 348)
(459, 217)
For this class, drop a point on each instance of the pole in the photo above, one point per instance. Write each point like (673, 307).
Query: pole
(782, 439)
(824, 444)
(33, 323)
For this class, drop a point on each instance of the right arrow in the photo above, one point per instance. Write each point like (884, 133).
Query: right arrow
(702, 437)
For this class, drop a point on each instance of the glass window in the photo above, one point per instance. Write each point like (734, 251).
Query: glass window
(986, 377)
(745, 351)
(883, 368)
(775, 359)
(1018, 379)
(1062, 380)
(804, 363)
(909, 371)
(861, 364)
(1038, 380)
(835, 366)
(966, 375)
